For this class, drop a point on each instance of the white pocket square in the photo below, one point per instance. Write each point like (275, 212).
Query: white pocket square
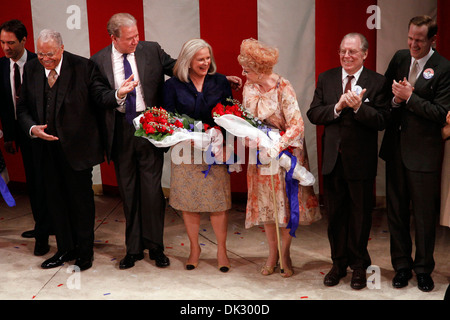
(367, 100)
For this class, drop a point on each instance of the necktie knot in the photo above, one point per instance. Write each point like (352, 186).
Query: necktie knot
(52, 76)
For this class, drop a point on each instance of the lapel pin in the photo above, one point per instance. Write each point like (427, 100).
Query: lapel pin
(357, 90)
(428, 73)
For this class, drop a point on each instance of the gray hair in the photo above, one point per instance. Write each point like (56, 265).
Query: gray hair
(47, 35)
(188, 51)
(119, 20)
(364, 43)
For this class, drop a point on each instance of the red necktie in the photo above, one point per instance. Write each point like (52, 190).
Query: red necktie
(348, 86)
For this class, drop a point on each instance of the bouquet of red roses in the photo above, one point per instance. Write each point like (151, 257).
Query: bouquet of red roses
(157, 123)
(237, 110)
(165, 129)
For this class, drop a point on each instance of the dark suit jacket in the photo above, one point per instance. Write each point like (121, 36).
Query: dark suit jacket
(7, 113)
(354, 135)
(81, 90)
(152, 63)
(418, 123)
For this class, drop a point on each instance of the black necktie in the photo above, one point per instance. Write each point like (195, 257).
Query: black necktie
(17, 81)
(130, 102)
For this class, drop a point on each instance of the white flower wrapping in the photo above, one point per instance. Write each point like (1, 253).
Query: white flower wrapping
(241, 128)
(202, 140)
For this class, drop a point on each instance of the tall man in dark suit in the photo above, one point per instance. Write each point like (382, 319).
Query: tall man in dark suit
(351, 102)
(13, 37)
(138, 164)
(412, 148)
(59, 98)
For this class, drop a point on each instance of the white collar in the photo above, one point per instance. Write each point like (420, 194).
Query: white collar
(117, 54)
(356, 74)
(21, 62)
(422, 61)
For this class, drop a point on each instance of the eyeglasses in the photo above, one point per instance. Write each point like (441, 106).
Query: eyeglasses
(349, 52)
(48, 55)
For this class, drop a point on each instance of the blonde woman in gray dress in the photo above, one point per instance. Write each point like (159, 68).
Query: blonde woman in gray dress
(195, 90)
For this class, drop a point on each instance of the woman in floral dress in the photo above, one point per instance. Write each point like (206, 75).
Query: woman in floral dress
(272, 99)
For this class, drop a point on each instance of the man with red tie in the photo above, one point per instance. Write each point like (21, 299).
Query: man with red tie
(351, 103)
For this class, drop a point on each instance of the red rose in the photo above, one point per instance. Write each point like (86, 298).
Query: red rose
(178, 124)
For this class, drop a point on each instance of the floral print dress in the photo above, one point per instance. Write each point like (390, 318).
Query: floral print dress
(278, 108)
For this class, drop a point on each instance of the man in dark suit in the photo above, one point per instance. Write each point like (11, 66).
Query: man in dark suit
(59, 98)
(351, 102)
(138, 164)
(412, 148)
(13, 37)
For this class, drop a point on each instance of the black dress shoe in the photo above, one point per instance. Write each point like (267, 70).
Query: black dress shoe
(41, 248)
(160, 258)
(401, 278)
(58, 259)
(28, 234)
(84, 263)
(129, 260)
(332, 278)
(424, 282)
(359, 280)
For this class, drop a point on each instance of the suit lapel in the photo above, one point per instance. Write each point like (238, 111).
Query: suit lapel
(6, 78)
(363, 82)
(140, 62)
(338, 80)
(40, 87)
(106, 64)
(431, 64)
(64, 81)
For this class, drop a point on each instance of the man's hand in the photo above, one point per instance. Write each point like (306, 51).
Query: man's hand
(38, 131)
(354, 100)
(126, 87)
(402, 90)
(350, 99)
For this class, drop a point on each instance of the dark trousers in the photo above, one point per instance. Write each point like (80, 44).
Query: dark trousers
(349, 205)
(138, 166)
(34, 181)
(421, 190)
(70, 201)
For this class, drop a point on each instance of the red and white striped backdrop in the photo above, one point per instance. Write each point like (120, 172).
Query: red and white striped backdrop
(307, 32)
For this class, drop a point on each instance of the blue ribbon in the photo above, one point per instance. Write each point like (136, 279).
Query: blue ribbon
(292, 195)
(210, 155)
(6, 194)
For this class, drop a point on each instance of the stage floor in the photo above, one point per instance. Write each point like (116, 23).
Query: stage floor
(21, 277)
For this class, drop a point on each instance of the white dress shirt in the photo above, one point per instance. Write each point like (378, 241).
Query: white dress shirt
(119, 77)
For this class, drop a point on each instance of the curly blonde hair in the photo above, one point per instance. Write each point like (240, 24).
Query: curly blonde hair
(258, 56)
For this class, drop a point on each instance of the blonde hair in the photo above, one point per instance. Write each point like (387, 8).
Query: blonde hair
(258, 56)
(187, 53)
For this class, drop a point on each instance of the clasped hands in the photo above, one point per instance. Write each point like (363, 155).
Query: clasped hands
(350, 99)
(402, 90)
